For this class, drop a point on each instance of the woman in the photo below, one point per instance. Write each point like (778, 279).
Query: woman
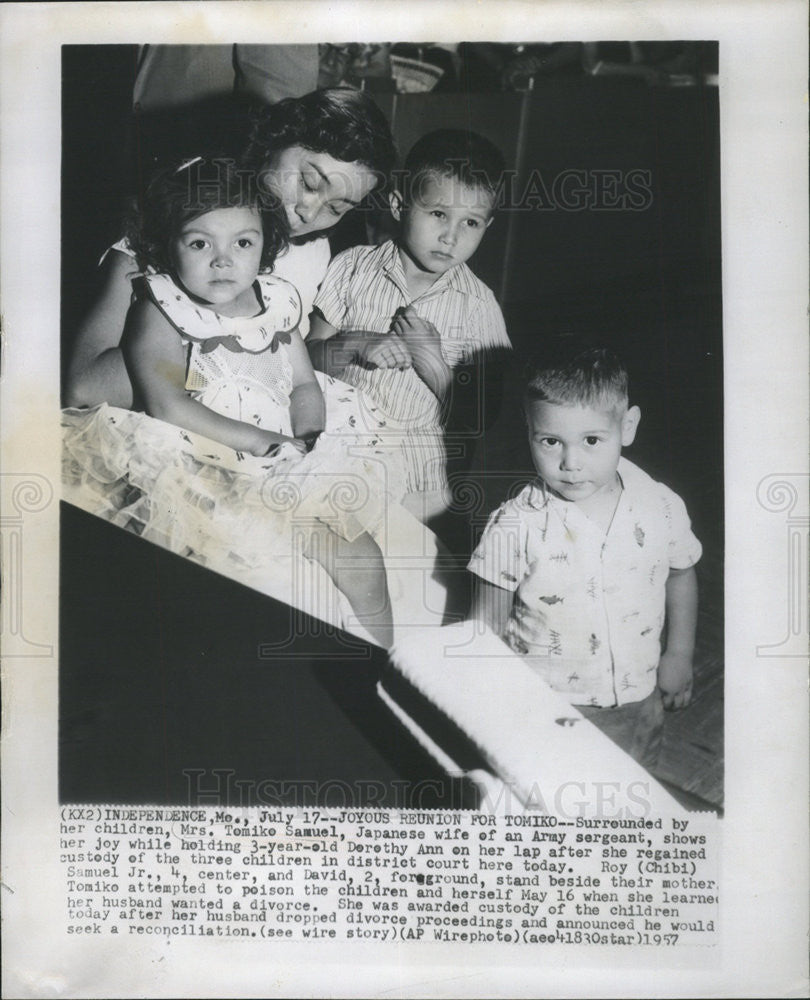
(321, 155)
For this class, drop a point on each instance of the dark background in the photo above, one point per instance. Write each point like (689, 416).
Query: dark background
(646, 282)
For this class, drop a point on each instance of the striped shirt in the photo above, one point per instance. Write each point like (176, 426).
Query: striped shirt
(363, 289)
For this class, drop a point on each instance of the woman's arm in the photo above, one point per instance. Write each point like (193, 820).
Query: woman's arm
(307, 408)
(332, 350)
(329, 350)
(155, 359)
(97, 373)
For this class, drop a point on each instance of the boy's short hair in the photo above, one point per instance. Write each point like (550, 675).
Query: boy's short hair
(573, 373)
(449, 152)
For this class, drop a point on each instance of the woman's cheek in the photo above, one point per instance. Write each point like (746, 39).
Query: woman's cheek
(274, 183)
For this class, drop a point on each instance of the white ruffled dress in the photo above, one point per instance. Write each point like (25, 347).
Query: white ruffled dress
(249, 518)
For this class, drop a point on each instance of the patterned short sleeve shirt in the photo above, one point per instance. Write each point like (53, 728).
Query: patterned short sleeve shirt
(589, 606)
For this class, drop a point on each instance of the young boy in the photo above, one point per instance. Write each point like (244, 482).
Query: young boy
(581, 570)
(396, 320)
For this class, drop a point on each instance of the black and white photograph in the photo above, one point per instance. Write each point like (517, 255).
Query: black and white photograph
(404, 550)
(493, 240)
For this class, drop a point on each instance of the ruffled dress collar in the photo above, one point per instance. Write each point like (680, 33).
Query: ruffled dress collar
(280, 313)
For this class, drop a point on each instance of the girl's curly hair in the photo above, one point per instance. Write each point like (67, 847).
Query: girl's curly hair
(345, 124)
(179, 193)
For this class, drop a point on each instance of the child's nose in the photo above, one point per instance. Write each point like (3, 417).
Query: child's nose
(570, 460)
(222, 259)
(449, 235)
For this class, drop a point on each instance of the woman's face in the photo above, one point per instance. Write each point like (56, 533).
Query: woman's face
(315, 189)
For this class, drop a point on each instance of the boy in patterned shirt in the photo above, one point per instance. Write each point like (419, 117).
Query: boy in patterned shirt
(397, 321)
(582, 569)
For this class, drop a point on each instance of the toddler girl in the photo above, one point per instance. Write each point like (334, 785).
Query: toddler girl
(222, 459)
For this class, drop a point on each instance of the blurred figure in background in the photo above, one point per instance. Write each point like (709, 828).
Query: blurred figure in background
(170, 76)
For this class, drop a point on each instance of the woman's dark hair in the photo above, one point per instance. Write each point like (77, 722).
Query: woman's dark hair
(183, 192)
(345, 124)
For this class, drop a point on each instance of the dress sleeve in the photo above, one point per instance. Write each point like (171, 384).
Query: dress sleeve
(684, 548)
(500, 557)
(122, 246)
(333, 296)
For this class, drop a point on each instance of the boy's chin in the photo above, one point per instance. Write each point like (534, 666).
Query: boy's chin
(573, 492)
(432, 265)
(440, 264)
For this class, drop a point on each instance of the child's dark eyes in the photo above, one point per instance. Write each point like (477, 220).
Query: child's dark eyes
(198, 244)
(244, 243)
(550, 442)
(473, 223)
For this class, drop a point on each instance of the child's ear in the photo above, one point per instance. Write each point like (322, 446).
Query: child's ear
(630, 425)
(396, 203)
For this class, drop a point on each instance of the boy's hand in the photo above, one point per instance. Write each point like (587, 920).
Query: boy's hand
(385, 350)
(675, 680)
(415, 331)
(424, 344)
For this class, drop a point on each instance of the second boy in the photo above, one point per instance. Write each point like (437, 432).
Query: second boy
(402, 316)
